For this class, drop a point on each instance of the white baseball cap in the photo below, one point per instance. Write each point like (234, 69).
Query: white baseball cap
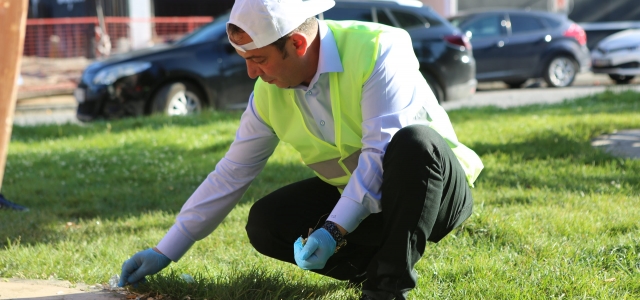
(265, 21)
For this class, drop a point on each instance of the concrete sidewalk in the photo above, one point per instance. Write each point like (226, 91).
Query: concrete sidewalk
(58, 109)
(44, 103)
(624, 143)
(44, 77)
(48, 85)
(54, 290)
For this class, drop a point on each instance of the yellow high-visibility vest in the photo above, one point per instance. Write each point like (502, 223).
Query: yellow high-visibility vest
(357, 44)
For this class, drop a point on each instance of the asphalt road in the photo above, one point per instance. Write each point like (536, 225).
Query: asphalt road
(61, 109)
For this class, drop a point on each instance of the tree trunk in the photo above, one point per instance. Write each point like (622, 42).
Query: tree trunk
(13, 19)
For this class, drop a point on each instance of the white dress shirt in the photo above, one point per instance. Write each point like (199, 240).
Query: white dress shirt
(395, 95)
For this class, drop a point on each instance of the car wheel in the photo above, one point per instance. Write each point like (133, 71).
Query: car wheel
(561, 71)
(435, 87)
(516, 84)
(178, 99)
(621, 79)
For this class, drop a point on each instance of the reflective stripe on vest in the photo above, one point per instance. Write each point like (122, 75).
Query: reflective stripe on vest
(331, 169)
(357, 45)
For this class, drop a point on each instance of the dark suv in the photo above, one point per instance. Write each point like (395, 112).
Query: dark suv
(445, 55)
(203, 70)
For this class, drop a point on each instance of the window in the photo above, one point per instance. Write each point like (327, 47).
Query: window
(523, 24)
(551, 22)
(383, 18)
(433, 21)
(407, 20)
(346, 13)
(484, 27)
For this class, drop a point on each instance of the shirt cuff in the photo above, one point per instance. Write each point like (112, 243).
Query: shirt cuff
(175, 244)
(348, 214)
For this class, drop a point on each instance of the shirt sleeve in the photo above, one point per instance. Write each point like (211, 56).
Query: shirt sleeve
(222, 189)
(390, 99)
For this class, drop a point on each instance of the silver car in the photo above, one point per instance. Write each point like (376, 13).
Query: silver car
(618, 55)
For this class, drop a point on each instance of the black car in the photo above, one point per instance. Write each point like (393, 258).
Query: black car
(515, 45)
(200, 70)
(204, 70)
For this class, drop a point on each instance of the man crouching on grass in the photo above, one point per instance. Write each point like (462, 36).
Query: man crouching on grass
(390, 172)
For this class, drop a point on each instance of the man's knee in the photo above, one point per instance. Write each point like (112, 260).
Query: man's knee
(258, 229)
(416, 140)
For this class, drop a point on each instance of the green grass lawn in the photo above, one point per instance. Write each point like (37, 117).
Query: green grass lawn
(553, 217)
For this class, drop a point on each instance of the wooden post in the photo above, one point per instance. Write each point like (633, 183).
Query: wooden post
(13, 19)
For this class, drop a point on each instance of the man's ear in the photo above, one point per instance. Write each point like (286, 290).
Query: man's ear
(299, 42)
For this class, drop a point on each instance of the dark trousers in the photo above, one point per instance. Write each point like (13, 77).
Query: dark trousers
(424, 196)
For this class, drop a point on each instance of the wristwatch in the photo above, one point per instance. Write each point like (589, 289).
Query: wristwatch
(335, 233)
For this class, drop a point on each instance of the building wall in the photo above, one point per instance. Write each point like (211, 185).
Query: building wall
(443, 7)
(480, 4)
(166, 8)
(587, 11)
(75, 8)
(581, 11)
(120, 8)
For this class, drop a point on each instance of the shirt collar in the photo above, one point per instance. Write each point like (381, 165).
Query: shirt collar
(329, 58)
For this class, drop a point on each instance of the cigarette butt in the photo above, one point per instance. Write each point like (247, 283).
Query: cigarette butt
(304, 240)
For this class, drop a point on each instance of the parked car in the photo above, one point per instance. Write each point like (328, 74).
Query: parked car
(445, 55)
(204, 70)
(200, 70)
(618, 55)
(516, 45)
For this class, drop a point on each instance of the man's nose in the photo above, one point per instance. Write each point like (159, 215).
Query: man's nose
(253, 71)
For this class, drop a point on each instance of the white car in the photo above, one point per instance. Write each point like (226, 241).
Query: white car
(618, 55)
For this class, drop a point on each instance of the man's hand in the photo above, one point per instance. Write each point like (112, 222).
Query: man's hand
(316, 251)
(143, 263)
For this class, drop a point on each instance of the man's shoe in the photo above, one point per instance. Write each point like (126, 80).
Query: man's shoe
(6, 204)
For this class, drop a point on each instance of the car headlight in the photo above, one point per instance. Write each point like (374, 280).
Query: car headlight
(110, 74)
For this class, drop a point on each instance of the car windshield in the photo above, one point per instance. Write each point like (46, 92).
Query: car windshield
(206, 33)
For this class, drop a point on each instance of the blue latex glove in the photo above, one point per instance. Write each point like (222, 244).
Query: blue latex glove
(315, 253)
(143, 263)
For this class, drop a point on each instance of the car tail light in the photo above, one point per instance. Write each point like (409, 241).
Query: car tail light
(458, 40)
(576, 32)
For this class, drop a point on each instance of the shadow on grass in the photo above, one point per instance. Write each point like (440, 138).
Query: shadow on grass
(249, 284)
(115, 184)
(543, 145)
